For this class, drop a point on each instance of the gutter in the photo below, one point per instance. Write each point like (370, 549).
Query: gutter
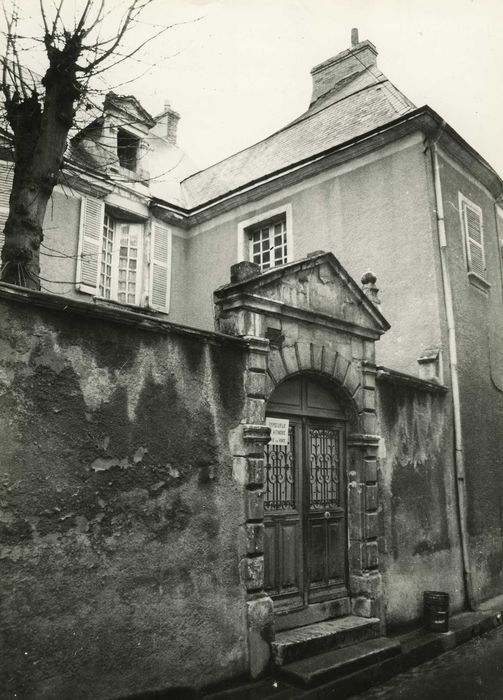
(459, 461)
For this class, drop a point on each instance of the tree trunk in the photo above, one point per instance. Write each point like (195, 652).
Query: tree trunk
(39, 145)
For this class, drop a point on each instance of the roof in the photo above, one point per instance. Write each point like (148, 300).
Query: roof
(365, 102)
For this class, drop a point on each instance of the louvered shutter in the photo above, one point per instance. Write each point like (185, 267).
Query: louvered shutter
(160, 267)
(474, 240)
(6, 177)
(91, 232)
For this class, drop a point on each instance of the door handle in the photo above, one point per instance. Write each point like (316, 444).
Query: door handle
(326, 515)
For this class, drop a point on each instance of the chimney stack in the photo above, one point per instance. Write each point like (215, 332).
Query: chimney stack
(167, 124)
(327, 75)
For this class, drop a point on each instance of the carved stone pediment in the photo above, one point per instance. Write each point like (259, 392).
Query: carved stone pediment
(316, 290)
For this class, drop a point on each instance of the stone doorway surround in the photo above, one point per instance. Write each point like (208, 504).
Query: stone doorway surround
(308, 316)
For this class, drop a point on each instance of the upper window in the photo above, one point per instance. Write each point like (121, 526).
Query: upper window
(471, 220)
(127, 149)
(119, 268)
(114, 262)
(268, 243)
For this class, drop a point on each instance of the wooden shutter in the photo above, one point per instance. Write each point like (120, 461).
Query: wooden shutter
(474, 239)
(6, 177)
(91, 232)
(160, 267)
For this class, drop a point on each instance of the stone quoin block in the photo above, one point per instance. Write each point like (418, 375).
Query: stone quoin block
(371, 525)
(370, 555)
(371, 497)
(369, 350)
(252, 573)
(254, 504)
(254, 538)
(368, 585)
(364, 607)
(255, 471)
(370, 470)
(355, 556)
(255, 384)
(369, 379)
(368, 422)
(254, 410)
(257, 360)
(369, 399)
(260, 622)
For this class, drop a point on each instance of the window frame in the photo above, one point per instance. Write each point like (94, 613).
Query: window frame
(265, 217)
(116, 256)
(474, 276)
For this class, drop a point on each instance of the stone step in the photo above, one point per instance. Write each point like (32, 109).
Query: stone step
(331, 665)
(295, 644)
(309, 615)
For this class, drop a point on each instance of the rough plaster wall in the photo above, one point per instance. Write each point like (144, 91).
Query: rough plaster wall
(119, 514)
(376, 216)
(479, 334)
(419, 539)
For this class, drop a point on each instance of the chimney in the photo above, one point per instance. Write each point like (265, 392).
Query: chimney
(167, 124)
(326, 75)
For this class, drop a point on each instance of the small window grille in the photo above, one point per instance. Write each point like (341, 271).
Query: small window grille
(474, 237)
(268, 243)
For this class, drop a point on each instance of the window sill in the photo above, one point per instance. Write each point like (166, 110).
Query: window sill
(479, 282)
(138, 308)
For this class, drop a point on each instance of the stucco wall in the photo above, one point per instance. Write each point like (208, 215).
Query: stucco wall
(418, 540)
(479, 336)
(371, 212)
(119, 514)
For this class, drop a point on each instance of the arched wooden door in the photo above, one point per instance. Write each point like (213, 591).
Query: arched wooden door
(304, 499)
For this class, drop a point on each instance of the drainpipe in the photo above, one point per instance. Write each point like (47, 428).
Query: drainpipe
(459, 462)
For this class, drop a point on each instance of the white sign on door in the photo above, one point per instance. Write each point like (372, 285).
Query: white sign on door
(279, 430)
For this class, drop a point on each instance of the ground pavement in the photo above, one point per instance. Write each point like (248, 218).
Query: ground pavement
(472, 671)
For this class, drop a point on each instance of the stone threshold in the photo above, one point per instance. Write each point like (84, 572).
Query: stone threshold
(416, 647)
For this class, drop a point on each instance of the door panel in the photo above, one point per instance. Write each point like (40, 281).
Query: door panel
(304, 506)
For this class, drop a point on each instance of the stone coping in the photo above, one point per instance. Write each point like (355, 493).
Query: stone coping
(115, 313)
(392, 376)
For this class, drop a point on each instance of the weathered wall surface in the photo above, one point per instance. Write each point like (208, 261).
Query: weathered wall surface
(479, 336)
(119, 512)
(418, 539)
(372, 212)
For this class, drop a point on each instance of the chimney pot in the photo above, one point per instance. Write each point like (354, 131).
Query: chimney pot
(354, 36)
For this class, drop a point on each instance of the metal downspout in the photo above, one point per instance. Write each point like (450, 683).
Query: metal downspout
(459, 462)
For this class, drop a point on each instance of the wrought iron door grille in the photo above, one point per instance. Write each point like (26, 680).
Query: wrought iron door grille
(324, 451)
(280, 475)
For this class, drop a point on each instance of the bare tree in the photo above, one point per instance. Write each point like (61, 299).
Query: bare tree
(41, 112)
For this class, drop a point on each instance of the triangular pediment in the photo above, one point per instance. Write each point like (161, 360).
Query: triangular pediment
(318, 285)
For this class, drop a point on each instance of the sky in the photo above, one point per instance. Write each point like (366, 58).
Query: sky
(243, 70)
(238, 70)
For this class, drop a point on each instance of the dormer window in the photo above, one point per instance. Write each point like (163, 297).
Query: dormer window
(127, 149)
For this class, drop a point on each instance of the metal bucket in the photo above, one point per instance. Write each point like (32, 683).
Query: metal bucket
(436, 611)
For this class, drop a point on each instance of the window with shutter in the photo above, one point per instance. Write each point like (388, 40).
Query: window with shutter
(160, 267)
(6, 177)
(91, 234)
(471, 218)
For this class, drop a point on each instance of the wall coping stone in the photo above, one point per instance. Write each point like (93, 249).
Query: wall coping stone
(143, 321)
(392, 376)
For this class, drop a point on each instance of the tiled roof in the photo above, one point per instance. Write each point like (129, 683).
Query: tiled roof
(360, 105)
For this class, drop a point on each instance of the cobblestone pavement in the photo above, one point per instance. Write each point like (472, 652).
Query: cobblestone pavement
(472, 671)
